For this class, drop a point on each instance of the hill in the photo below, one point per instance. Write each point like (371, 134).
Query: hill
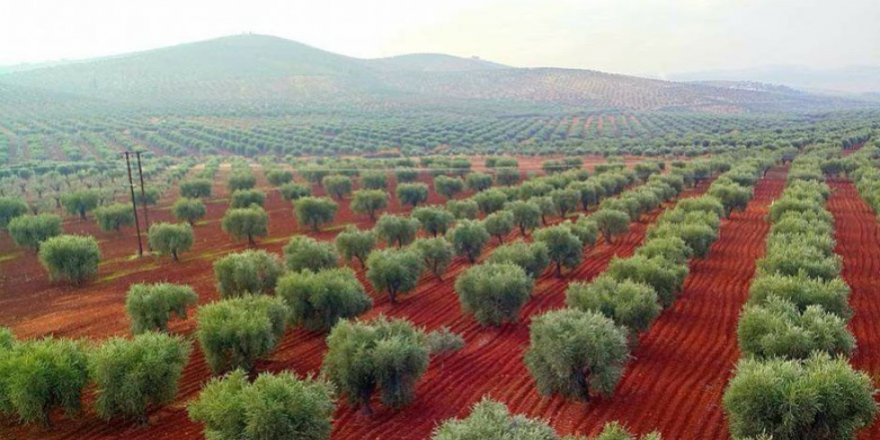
(852, 80)
(257, 71)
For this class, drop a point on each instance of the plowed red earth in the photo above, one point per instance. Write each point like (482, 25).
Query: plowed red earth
(858, 242)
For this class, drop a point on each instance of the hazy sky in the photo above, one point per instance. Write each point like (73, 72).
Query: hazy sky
(627, 36)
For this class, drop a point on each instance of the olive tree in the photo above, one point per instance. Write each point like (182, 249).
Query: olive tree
(477, 181)
(572, 352)
(246, 223)
(374, 180)
(507, 176)
(278, 177)
(435, 220)
(630, 304)
(11, 208)
(803, 291)
(195, 188)
(490, 420)
(306, 253)
(585, 229)
(732, 196)
(494, 292)
(490, 200)
(80, 202)
(130, 375)
(406, 175)
(170, 238)
(611, 223)
(565, 200)
(463, 209)
(396, 230)
(395, 271)
(252, 271)
(294, 191)
(665, 277)
(188, 210)
(526, 215)
(369, 201)
(564, 248)
(318, 300)
(234, 333)
(447, 186)
(589, 193)
(533, 257)
(499, 224)
(70, 257)
(337, 186)
(412, 194)
(232, 408)
(816, 398)
(436, 254)
(468, 238)
(388, 356)
(315, 211)
(151, 306)
(114, 217)
(353, 243)
(241, 180)
(31, 230)
(243, 198)
(546, 205)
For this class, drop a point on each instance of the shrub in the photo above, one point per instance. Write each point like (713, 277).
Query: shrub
(611, 223)
(589, 193)
(585, 229)
(244, 198)
(666, 278)
(802, 291)
(630, 304)
(572, 352)
(234, 333)
(11, 208)
(189, 210)
(246, 272)
(778, 329)
(149, 196)
(793, 258)
(31, 230)
(468, 238)
(374, 180)
(170, 238)
(698, 236)
(369, 201)
(241, 180)
(195, 188)
(40, 375)
(354, 243)
(443, 340)
(80, 202)
(507, 176)
(385, 355)
(526, 215)
(490, 200)
(499, 224)
(246, 222)
(396, 230)
(448, 186)
(406, 175)
(306, 253)
(533, 258)
(564, 248)
(132, 374)
(671, 248)
(114, 217)
(436, 254)
(435, 220)
(313, 173)
(816, 398)
(315, 211)
(732, 196)
(394, 270)
(490, 420)
(273, 407)
(294, 191)
(70, 257)
(412, 194)
(337, 186)
(477, 181)
(493, 292)
(151, 306)
(565, 200)
(319, 300)
(463, 209)
(279, 177)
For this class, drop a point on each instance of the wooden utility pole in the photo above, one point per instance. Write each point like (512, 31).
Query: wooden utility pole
(143, 195)
(137, 225)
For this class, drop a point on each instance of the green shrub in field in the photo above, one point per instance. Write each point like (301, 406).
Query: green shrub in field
(434, 220)
(189, 210)
(38, 376)
(306, 253)
(369, 201)
(241, 180)
(353, 243)
(374, 180)
(448, 186)
(498, 224)
(565, 200)
(404, 175)
(463, 209)
(490, 200)
(698, 236)
(131, 375)
(585, 229)
(802, 291)
(279, 177)
(80, 202)
(437, 254)
(244, 198)
(294, 191)
(170, 238)
(526, 215)
(318, 300)
(493, 292)
(477, 181)
(507, 176)
(388, 356)
(11, 208)
(630, 304)
(778, 329)
(533, 257)
(247, 272)
(564, 248)
(195, 188)
(114, 217)
(314, 211)
(664, 277)
(273, 407)
(816, 398)
(574, 352)
(234, 333)
(70, 257)
(396, 230)
(337, 186)
(150, 196)
(670, 248)
(468, 238)
(412, 194)
(611, 223)
(443, 340)
(732, 196)
(589, 193)
(246, 223)
(31, 230)
(795, 258)
(151, 306)
(395, 271)
(704, 203)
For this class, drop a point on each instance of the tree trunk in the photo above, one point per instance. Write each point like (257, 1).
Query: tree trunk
(558, 269)
(174, 255)
(251, 241)
(366, 409)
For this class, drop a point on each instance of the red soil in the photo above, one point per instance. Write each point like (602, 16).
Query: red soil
(858, 242)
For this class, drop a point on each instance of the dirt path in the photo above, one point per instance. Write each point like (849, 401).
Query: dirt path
(858, 242)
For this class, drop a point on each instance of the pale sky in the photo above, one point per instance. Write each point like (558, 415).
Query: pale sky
(625, 36)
